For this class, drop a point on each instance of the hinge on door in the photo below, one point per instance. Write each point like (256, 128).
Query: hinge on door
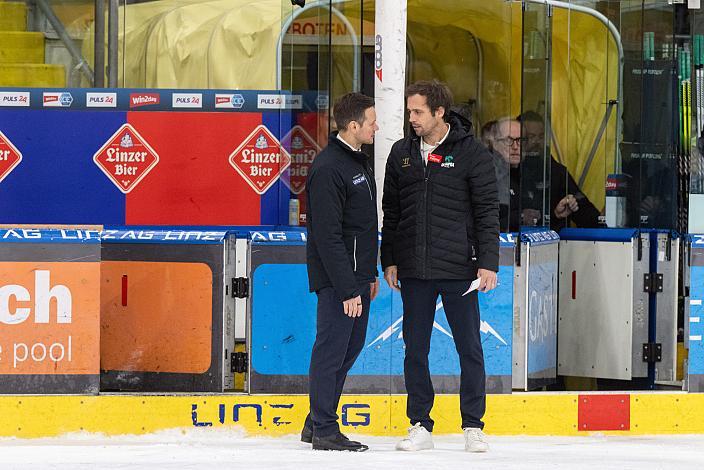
(652, 283)
(652, 352)
(238, 362)
(240, 287)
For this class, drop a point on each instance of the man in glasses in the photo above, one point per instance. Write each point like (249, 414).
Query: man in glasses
(533, 192)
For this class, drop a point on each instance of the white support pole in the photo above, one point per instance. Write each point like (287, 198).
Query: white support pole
(389, 82)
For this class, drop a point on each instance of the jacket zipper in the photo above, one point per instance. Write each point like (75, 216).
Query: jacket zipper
(366, 178)
(426, 270)
(371, 198)
(354, 253)
(426, 175)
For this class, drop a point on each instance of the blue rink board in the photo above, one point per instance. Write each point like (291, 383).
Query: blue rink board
(63, 186)
(696, 329)
(541, 333)
(284, 316)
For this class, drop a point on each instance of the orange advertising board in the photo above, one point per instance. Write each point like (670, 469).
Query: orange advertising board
(156, 316)
(49, 318)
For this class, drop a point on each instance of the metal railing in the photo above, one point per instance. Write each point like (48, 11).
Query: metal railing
(353, 36)
(619, 93)
(71, 47)
(95, 77)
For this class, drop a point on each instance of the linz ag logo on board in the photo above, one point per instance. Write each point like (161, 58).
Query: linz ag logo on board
(260, 159)
(144, 99)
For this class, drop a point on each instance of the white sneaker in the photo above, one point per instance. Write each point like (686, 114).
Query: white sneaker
(474, 440)
(418, 439)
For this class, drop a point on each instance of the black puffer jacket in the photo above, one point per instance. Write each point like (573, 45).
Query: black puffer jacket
(343, 234)
(441, 221)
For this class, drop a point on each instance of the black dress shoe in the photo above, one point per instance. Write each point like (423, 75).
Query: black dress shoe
(307, 435)
(337, 441)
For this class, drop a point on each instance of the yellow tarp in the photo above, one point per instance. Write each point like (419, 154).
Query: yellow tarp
(232, 44)
(196, 44)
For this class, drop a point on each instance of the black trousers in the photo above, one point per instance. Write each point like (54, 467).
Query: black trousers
(419, 302)
(339, 340)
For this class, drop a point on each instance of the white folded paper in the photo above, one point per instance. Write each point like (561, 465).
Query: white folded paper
(473, 286)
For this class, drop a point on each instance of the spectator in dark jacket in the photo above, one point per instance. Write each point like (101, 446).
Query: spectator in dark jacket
(440, 233)
(557, 191)
(342, 251)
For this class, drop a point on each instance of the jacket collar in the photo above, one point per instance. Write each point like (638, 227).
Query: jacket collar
(460, 128)
(357, 155)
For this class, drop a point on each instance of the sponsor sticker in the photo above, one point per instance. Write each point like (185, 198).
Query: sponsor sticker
(14, 98)
(101, 100)
(187, 100)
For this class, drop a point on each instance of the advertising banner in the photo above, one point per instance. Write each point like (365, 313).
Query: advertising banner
(283, 316)
(156, 157)
(49, 311)
(163, 311)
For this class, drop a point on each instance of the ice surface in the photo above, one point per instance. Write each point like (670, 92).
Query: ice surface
(215, 449)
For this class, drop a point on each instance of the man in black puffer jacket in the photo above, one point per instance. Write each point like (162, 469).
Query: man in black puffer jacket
(440, 233)
(342, 251)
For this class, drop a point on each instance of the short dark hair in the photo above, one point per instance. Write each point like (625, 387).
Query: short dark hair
(351, 107)
(436, 94)
(530, 116)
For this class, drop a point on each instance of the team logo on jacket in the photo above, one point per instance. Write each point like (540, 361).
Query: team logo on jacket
(405, 162)
(449, 162)
(358, 179)
(260, 159)
(434, 158)
(126, 158)
(303, 149)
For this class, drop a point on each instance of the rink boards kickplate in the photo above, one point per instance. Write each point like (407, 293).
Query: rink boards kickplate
(275, 415)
